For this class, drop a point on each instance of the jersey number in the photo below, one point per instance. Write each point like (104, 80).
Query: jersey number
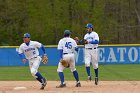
(68, 45)
(34, 52)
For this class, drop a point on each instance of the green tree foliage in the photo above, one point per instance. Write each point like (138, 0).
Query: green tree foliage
(116, 21)
(13, 21)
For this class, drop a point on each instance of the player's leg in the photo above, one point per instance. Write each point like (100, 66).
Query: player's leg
(95, 64)
(74, 71)
(87, 62)
(61, 76)
(76, 76)
(34, 65)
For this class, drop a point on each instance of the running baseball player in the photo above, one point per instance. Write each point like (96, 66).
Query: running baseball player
(91, 41)
(29, 51)
(67, 46)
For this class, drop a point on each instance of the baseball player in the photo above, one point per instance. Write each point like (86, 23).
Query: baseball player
(91, 41)
(67, 46)
(29, 51)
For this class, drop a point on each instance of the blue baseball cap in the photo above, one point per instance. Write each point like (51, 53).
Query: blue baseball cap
(89, 25)
(67, 32)
(27, 35)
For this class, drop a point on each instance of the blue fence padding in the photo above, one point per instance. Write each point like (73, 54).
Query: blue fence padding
(119, 55)
(107, 55)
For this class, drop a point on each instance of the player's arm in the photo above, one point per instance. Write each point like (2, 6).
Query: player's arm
(78, 41)
(76, 49)
(21, 55)
(85, 41)
(81, 42)
(43, 49)
(39, 45)
(75, 46)
(94, 42)
(60, 53)
(60, 49)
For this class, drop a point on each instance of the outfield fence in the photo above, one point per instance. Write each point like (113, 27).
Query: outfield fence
(108, 54)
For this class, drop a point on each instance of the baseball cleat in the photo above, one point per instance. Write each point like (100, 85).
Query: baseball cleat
(78, 84)
(43, 84)
(61, 86)
(89, 78)
(96, 80)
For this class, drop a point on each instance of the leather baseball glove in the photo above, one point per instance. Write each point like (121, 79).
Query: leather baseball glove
(64, 63)
(44, 59)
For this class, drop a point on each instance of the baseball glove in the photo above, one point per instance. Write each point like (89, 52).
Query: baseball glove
(64, 63)
(44, 59)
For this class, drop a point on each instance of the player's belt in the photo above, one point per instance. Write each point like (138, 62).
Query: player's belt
(33, 58)
(67, 53)
(91, 48)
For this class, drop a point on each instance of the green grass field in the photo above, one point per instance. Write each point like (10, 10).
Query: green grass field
(106, 73)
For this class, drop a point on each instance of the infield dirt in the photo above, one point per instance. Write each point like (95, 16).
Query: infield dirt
(87, 87)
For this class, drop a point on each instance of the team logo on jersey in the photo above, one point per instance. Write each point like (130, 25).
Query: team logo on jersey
(29, 49)
(89, 38)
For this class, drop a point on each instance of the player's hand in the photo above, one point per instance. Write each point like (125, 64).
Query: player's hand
(76, 39)
(24, 61)
(85, 42)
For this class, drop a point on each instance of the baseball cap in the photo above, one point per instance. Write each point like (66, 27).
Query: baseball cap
(89, 25)
(67, 32)
(27, 35)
